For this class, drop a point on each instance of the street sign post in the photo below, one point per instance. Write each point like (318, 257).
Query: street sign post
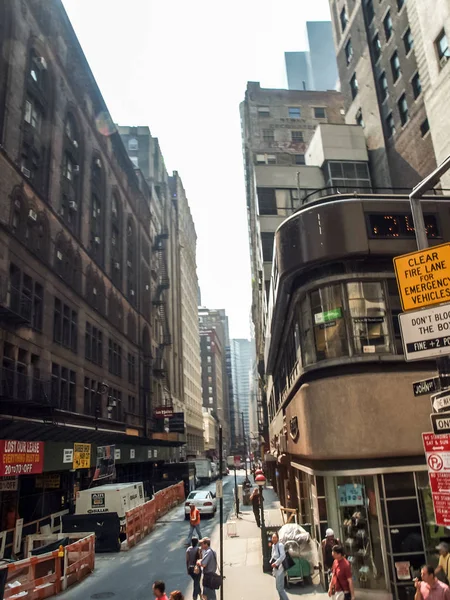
(426, 386)
(441, 401)
(423, 277)
(426, 333)
(437, 453)
(440, 423)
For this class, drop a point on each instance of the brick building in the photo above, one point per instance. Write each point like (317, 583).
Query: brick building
(83, 236)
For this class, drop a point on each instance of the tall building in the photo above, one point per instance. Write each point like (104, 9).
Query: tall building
(217, 320)
(242, 356)
(430, 29)
(382, 73)
(213, 378)
(316, 68)
(192, 371)
(277, 126)
(80, 272)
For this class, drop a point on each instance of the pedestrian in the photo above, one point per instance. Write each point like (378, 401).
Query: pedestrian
(328, 543)
(194, 522)
(255, 499)
(176, 595)
(208, 563)
(276, 562)
(341, 584)
(193, 555)
(159, 590)
(443, 566)
(430, 588)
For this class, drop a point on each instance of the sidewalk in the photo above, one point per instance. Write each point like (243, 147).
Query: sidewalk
(244, 577)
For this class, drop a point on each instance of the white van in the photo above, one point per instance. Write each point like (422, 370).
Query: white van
(112, 497)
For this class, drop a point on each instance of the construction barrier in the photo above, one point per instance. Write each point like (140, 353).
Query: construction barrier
(43, 576)
(141, 520)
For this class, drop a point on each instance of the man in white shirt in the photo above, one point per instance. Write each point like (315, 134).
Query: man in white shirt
(276, 561)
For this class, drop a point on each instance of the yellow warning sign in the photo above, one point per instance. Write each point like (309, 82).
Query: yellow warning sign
(423, 277)
(81, 456)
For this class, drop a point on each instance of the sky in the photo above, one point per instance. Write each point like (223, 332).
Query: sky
(181, 67)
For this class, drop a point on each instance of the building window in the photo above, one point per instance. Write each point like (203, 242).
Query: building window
(400, 4)
(65, 325)
(70, 180)
(114, 358)
(263, 111)
(133, 144)
(424, 127)
(131, 368)
(131, 262)
(390, 125)
(132, 404)
(294, 112)
(92, 399)
(408, 41)
(376, 47)
(387, 24)
(395, 66)
(354, 86)
(297, 136)
(442, 48)
(93, 343)
(403, 109)
(299, 159)
(359, 118)
(369, 11)
(268, 135)
(368, 317)
(329, 325)
(26, 297)
(97, 205)
(64, 388)
(267, 202)
(271, 159)
(319, 112)
(116, 240)
(343, 19)
(267, 241)
(348, 176)
(383, 87)
(416, 85)
(349, 51)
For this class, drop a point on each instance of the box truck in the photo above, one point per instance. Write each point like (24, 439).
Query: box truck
(203, 470)
(110, 498)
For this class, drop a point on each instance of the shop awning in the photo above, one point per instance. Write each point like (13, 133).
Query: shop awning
(21, 429)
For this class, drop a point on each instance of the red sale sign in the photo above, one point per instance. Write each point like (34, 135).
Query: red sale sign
(21, 458)
(437, 453)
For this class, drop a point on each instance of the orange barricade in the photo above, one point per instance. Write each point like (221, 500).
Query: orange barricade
(36, 577)
(141, 520)
(79, 560)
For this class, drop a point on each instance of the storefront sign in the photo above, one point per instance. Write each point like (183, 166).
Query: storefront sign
(403, 570)
(117, 453)
(423, 277)
(440, 401)
(327, 316)
(49, 481)
(350, 494)
(440, 423)
(105, 462)
(132, 453)
(426, 333)
(426, 386)
(68, 455)
(81, 456)
(163, 412)
(437, 454)
(21, 458)
(9, 484)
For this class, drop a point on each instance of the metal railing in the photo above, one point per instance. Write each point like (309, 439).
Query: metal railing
(20, 387)
(317, 193)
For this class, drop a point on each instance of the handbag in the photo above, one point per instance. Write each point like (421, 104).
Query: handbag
(213, 581)
(288, 562)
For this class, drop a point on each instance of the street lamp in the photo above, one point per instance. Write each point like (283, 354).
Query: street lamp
(261, 482)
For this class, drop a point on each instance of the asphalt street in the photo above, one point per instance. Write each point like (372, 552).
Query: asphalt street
(129, 575)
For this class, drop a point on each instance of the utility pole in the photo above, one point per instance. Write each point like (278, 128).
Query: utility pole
(221, 505)
(442, 362)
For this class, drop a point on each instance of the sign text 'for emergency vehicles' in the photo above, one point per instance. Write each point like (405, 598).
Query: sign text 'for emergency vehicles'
(423, 277)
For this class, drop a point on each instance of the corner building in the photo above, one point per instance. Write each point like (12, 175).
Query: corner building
(345, 427)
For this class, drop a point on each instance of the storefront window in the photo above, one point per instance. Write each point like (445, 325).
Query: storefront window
(307, 344)
(360, 530)
(329, 323)
(368, 317)
(434, 534)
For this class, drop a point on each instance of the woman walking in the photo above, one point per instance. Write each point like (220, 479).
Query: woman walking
(193, 554)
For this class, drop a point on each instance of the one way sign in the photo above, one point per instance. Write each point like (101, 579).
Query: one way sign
(441, 401)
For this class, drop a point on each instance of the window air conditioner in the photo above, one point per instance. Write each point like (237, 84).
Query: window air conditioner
(94, 291)
(117, 265)
(76, 168)
(26, 172)
(73, 205)
(113, 403)
(97, 240)
(114, 212)
(59, 255)
(75, 143)
(443, 60)
(32, 214)
(132, 292)
(41, 63)
(98, 163)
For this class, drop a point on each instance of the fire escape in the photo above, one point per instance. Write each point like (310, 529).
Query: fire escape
(160, 304)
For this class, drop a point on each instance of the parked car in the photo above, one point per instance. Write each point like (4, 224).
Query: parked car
(205, 502)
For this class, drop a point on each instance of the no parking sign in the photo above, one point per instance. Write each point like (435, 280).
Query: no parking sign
(437, 453)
